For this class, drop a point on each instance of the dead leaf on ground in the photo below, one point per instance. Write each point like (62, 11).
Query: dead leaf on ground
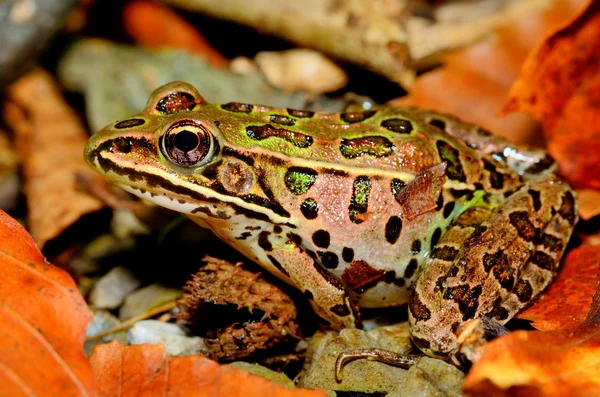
(588, 201)
(154, 25)
(544, 364)
(567, 301)
(43, 319)
(560, 86)
(50, 139)
(147, 370)
(473, 83)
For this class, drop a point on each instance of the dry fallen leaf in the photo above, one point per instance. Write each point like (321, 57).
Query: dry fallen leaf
(568, 299)
(147, 370)
(154, 25)
(473, 83)
(560, 86)
(50, 139)
(43, 319)
(543, 364)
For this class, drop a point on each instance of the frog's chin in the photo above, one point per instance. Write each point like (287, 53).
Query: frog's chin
(162, 200)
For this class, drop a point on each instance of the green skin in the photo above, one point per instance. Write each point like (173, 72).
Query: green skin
(355, 209)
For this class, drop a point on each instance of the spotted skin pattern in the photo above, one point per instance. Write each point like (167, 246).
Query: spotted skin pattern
(387, 207)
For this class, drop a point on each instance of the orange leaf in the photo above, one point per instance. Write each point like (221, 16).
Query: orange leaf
(146, 370)
(474, 82)
(50, 139)
(560, 86)
(154, 25)
(568, 298)
(544, 364)
(43, 320)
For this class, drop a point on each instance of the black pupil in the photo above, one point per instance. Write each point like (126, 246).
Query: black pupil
(186, 140)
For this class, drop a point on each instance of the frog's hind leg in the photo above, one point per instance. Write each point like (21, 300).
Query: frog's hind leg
(505, 262)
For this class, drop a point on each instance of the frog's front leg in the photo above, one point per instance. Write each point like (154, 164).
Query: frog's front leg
(328, 295)
(494, 269)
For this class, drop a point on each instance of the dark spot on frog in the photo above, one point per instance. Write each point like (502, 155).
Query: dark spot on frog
(535, 197)
(504, 273)
(435, 237)
(295, 239)
(356, 117)
(543, 260)
(130, 123)
(523, 291)
(499, 313)
(297, 139)
(277, 229)
(445, 253)
(376, 146)
(123, 145)
(244, 236)
(466, 298)
(437, 123)
(228, 151)
(415, 248)
(176, 102)
(458, 193)
(300, 179)
(551, 242)
(525, 229)
(448, 208)
(542, 165)
(397, 185)
(440, 201)
(278, 265)
(360, 198)
(411, 268)
(393, 228)
(329, 259)
(340, 310)
(309, 208)
(400, 126)
(263, 241)
(281, 119)
(567, 208)
(300, 113)
(237, 107)
(360, 274)
(347, 254)
(420, 312)
(321, 238)
(451, 156)
(400, 282)
(496, 178)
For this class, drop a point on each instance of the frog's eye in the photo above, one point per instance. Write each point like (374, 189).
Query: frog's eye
(188, 144)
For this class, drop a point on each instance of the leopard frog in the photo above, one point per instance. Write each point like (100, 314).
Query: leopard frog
(366, 209)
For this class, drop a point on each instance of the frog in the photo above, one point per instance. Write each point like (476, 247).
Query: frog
(363, 209)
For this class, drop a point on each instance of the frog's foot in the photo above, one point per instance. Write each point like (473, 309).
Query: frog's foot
(380, 355)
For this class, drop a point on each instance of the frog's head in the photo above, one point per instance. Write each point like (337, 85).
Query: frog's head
(172, 153)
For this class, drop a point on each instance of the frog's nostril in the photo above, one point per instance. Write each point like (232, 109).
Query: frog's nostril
(123, 145)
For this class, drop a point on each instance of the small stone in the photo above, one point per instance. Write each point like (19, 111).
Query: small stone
(174, 337)
(111, 290)
(430, 378)
(394, 337)
(147, 298)
(359, 375)
(102, 321)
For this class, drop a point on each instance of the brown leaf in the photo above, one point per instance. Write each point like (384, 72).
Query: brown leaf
(568, 299)
(147, 370)
(543, 364)
(473, 83)
(560, 86)
(50, 139)
(43, 320)
(154, 25)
